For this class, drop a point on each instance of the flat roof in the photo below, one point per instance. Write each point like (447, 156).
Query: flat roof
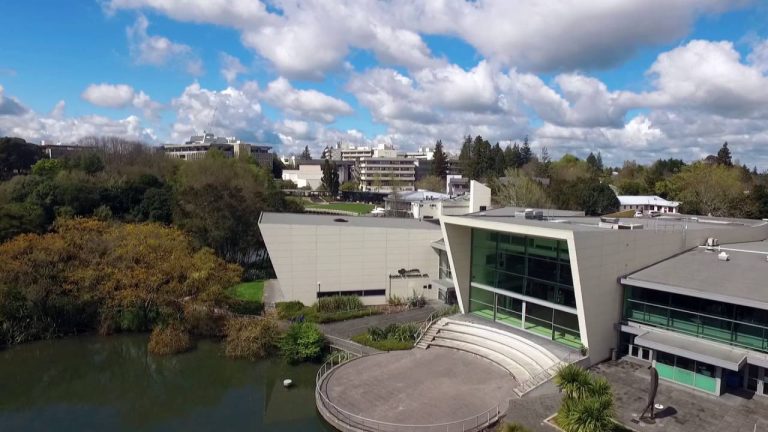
(698, 272)
(270, 218)
(694, 348)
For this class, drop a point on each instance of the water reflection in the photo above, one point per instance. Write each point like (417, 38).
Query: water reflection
(93, 383)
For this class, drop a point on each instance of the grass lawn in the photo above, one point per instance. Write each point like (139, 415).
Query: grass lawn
(351, 207)
(250, 291)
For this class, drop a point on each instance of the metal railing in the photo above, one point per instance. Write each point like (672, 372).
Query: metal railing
(359, 423)
(544, 375)
(425, 326)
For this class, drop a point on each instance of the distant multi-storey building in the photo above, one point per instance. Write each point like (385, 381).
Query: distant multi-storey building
(386, 174)
(199, 145)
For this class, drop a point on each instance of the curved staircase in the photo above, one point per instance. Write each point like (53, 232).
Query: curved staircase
(528, 362)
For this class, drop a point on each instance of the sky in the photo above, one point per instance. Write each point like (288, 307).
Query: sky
(632, 79)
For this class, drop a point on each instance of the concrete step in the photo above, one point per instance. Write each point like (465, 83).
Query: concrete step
(529, 364)
(515, 369)
(512, 346)
(490, 331)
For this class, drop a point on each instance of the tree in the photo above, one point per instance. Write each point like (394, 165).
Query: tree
(518, 190)
(498, 160)
(587, 404)
(431, 183)
(481, 154)
(466, 160)
(47, 167)
(525, 152)
(724, 155)
(716, 190)
(543, 170)
(512, 156)
(596, 198)
(350, 186)
(305, 155)
(19, 218)
(17, 156)
(592, 161)
(277, 167)
(330, 179)
(439, 162)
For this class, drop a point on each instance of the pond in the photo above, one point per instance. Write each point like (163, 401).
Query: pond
(113, 384)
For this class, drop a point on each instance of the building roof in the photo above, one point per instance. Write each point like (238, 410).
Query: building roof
(698, 272)
(646, 200)
(420, 195)
(351, 221)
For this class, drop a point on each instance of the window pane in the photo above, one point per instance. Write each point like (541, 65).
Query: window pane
(510, 282)
(542, 269)
(567, 320)
(566, 278)
(538, 319)
(566, 297)
(542, 247)
(512, 263)
(665, 358)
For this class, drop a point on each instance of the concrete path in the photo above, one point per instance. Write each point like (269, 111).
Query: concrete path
(419, 387)
(349, 328)
(272, 292)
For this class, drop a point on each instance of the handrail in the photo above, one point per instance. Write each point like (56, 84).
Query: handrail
(545, 374)
(356, 422)
(424, 327)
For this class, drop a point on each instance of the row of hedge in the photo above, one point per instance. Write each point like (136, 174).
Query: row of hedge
(326, 310)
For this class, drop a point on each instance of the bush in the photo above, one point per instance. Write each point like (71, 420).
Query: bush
(382, 345)
(390, 338)
(250, 338)
(303, 342)
(395, 300)
(245, 307)
(290, 310)
(339, 316)
(339, 304)
(169, 339)
(416, 300)
(203, 321)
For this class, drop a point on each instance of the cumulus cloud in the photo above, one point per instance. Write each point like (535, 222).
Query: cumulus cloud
(230, 112)
(109, 95)
(10, 106)
(304, 104)
(155, 50)
(231, 67)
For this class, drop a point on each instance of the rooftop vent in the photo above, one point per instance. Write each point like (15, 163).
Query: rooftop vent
(722, 256)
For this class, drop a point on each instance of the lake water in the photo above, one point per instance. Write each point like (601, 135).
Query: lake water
(111, 384)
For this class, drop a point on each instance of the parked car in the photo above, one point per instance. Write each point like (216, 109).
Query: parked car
(638, 213)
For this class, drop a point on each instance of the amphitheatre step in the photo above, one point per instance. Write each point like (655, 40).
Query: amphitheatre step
(516, 370)
(510, 346)
(511, 352)
(528, 341)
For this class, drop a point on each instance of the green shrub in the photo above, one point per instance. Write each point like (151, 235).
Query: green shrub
(447, 310)
(204, 321)
(245, 307)
(390, 338)
(416, 300)
(303, 342)
(382, 344)
(250, 338)
(395, 300)
(339, 304)
(340, 316)
(169, 339)
(290, 310)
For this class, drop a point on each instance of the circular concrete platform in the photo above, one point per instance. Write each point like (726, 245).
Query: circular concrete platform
(419, 387)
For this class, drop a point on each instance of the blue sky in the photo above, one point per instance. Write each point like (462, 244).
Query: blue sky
(632, 79)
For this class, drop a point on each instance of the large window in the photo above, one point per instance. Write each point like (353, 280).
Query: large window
(686, 371)
(722, 322)
(532, 266)
(445, 266)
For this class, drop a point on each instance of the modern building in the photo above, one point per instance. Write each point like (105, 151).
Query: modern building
(316, 256)
(198, 147)
(423, 153)
(589, 283)
(386, 174)
(477, 199)
(647, 203)
(57, 151)
(310, 173)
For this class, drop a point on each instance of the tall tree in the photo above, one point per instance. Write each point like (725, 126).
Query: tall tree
(17, 156)
(709, 190)
(545, 165)
(439, 163)
(305, 155)
(466, 161)
(498, 160)
(330, 179)
(277, 167)
(525, 152)
(481, 153)
(724, 155)
(518, 190)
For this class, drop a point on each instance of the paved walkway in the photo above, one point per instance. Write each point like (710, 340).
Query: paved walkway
(347, 329)
(419, 386)
(687, 410)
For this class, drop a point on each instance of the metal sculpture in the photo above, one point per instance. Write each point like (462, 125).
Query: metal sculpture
(649, 407)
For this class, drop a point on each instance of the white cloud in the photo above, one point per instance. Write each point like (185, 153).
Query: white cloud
(759, 56)
(237, 13)
(231, 67)
(229, 112)
(10, 106)
(304, 104)
(108, 95)
(154, 50)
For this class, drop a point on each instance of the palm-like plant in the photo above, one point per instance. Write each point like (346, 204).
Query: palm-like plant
(574, 381)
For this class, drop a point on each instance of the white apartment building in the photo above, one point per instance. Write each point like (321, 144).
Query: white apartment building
(647, 203)
(386, 174)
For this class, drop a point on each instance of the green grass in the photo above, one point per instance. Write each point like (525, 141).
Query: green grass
(248, 291)
(344, 206)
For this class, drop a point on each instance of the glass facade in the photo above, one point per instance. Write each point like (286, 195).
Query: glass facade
(445, 266)
(527, 276)
(736, 325)
(685, 371)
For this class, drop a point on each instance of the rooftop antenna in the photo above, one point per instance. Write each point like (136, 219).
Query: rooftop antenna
(213, 117)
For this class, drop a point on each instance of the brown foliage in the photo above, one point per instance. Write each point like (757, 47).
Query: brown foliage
(169, 339)
(251, 338)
